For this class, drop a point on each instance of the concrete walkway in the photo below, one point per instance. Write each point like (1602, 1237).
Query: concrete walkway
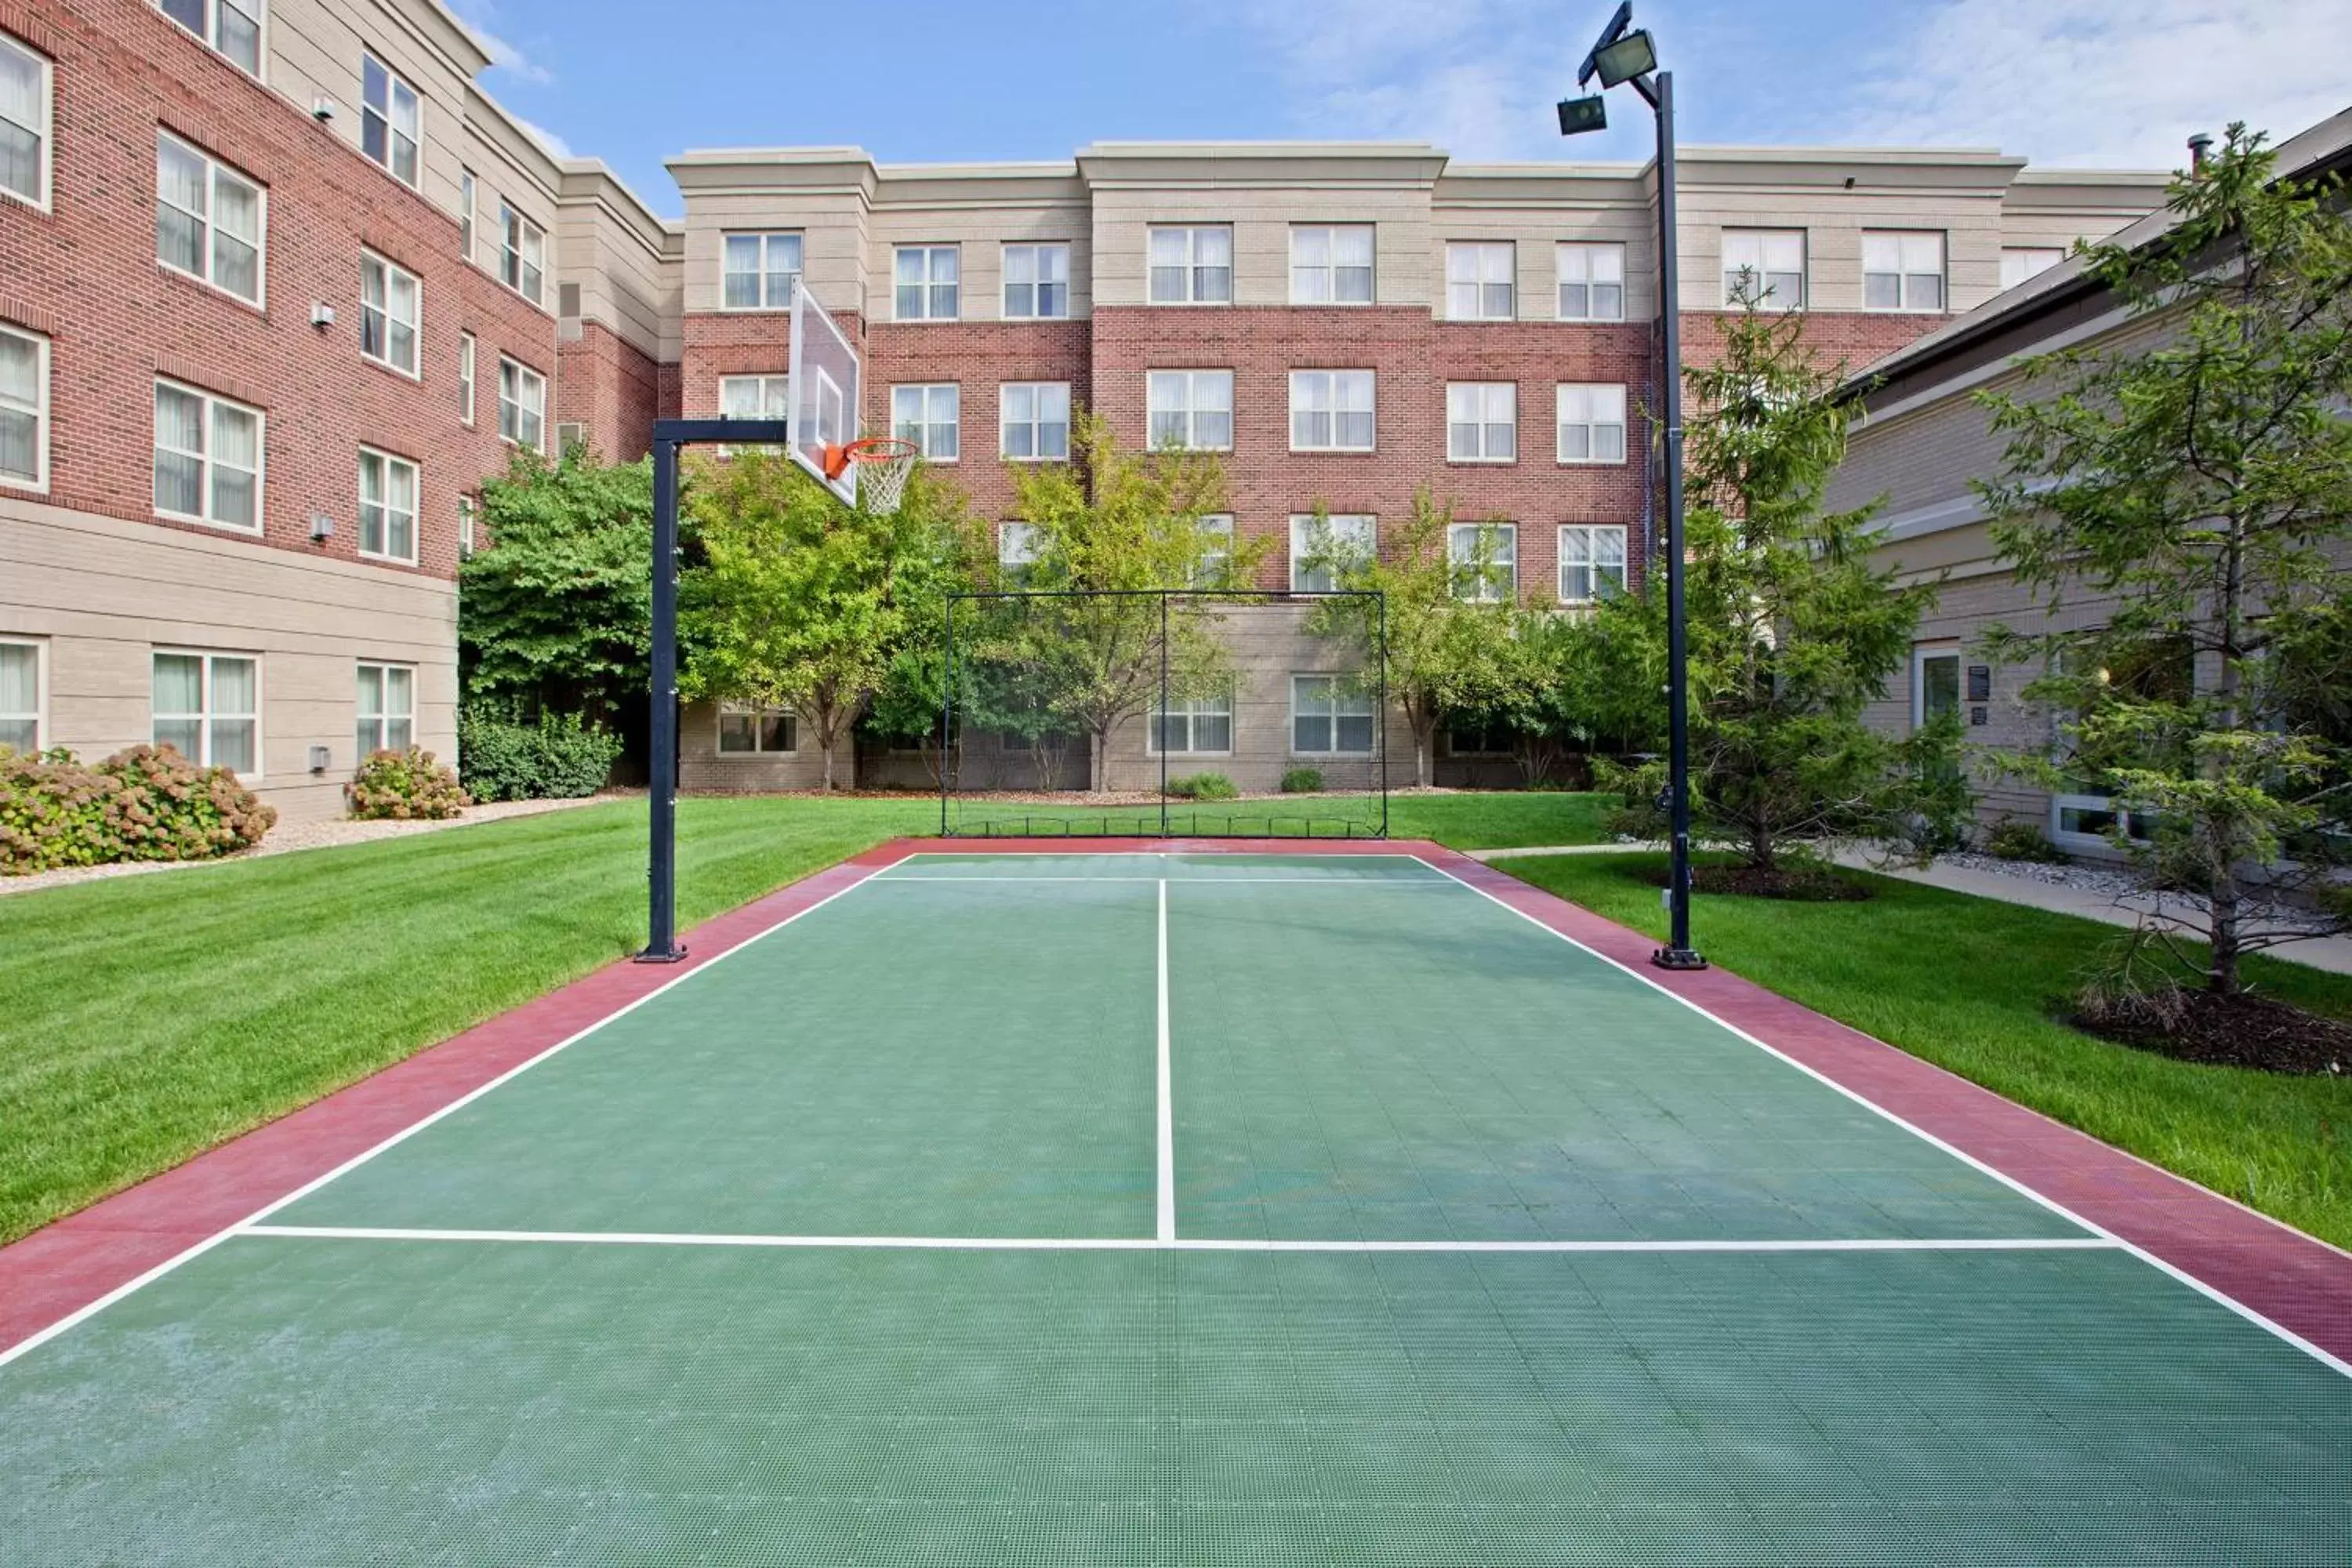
(2332, 953)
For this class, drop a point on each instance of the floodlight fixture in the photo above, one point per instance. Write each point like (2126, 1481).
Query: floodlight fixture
(1609, 35)
(1579, 115)
(1629, 56)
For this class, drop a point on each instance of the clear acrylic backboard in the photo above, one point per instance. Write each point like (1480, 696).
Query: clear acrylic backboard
(825, 392)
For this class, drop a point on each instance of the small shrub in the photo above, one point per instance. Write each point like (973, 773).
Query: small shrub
(2017, 839)
(557, 758)
(147, 803)
(1303, 781)
(1203, 786)
(404, 786)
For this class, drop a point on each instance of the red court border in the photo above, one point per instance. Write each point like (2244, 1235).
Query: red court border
(2296, 1282)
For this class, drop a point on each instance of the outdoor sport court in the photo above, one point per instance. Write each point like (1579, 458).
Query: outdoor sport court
(1168, 1208)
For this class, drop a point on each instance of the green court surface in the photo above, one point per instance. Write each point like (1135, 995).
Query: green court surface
(1167, 1209)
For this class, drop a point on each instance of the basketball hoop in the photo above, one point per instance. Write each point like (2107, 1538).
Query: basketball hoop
(883, 464)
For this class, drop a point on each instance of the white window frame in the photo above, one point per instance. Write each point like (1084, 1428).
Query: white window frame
(469, 509)
(209, 35)
(207, 714)
(1037, 283)
(216, 173)
(1591, 561)
(938, 298)
(1482, 257)
(1192, 275)
(766, 239)
(46, 129)
(1478, 399)
(1597, 396)
(1214, 564)
(1763, 270)
(1041, 393)
(759, 713)
(384, 716)
(771, 398)
(1016, 549)
(923, 430)
(40, 713)
(1188, 407)
(525, 379)
(1327, 272)
(213, 403)
(1189, 711)
(1909, 246)
(1331, 686)
(1461, 545)
(2019, 262)
(1922, 655)
(395, 85)
(414, 369)
(385, 463)
(468, 356)
(519, 239)
(1338, 392)
(40, 409)
(1345, 527)
(469, 189)
(1573, 267)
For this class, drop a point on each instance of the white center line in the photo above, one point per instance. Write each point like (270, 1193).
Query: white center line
(1167, 1231)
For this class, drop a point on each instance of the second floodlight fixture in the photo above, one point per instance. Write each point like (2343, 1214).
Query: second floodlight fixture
(1628, 57)
(1578, 115)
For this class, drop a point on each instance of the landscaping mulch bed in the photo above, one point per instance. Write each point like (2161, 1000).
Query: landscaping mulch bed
(2236, 1031)
(1798, 884)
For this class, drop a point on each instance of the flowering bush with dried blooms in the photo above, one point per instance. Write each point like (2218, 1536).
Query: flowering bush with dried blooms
(147, 803)
(407, 787)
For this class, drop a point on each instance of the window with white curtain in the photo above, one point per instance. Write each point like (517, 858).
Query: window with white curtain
(466, 377)
(209, 219)
(522, 406)
(932, 417)
(24, 408)
(759, 271)
(207, 458)
(748, 729)
(523, 254)
(1480, 282)
(927, 282)
(20, 696)
(2019, 262)
(1331, 263)
(1201, 724)
(231, 27)
(1591, 281)
(391, 120)
(468, 508)
(1591, 561)
(1486, 561)
(1037, 282)
(1331, 715)
(1325, 550)
(1771, 264)
(391, 310)
(1481, 422)
(1191, 410)
(1034, 422)
(1331, 410)
(468, 197)
(755, 397)
(388, 490)
(208, 707)
(1016, 551)
(1192, 266)
(1902, 271)
(387, 709)
(26, 83)
(1591, 423)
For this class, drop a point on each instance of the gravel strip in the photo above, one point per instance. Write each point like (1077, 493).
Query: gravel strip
(2132, 891)
(321, 834)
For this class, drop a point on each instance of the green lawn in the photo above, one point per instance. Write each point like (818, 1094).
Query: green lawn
(146, 1018)
(1968, 983)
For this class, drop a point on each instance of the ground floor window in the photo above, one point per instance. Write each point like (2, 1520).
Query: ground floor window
(20, 696)
(1194, 725)
(1331, 715)
(387, 708)
(208, 707)
(746, 729)
(1935, 684)
(1489, 740)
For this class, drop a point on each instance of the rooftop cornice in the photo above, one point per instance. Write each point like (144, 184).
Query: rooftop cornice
(589, 180)
(441, 27)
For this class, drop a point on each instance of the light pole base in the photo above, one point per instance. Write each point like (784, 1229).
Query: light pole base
(1678, 958)
(656, 955)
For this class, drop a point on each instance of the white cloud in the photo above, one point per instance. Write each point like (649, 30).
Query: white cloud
(503, 55)
(556, 145)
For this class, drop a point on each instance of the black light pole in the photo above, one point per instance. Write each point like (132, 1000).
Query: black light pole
(662, 945)
(1626, 54)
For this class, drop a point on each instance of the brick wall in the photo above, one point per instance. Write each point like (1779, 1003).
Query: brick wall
(613, 388)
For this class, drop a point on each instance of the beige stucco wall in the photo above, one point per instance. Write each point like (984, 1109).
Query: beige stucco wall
(102, 595)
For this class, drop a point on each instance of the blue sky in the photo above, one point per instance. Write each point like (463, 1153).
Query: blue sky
(2096, 84)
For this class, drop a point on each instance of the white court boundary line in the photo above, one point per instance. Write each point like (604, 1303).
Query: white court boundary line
(1172, 1244)
(2324, 1357)
(89, 1309)
(1167, 1098)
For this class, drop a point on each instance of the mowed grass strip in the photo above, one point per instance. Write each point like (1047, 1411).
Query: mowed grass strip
(145, 1019)
(1970, 984)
